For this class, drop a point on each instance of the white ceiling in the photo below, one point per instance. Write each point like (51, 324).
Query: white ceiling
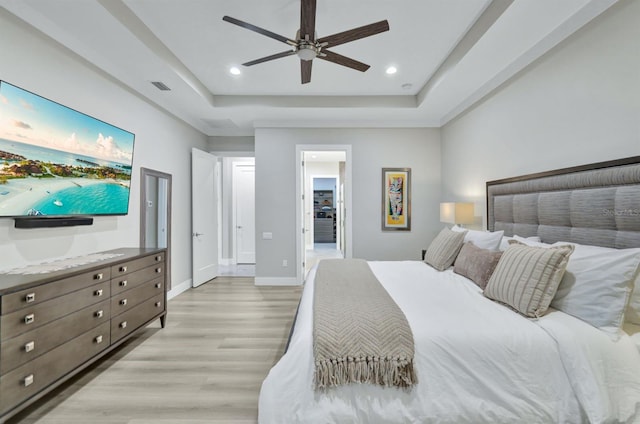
(450, 52)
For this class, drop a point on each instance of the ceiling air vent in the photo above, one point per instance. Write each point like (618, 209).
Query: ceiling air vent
(220, 123)
(160, 86)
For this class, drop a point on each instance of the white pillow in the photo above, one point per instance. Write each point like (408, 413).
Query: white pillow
(597, 284)
(482, 239)
(529, 241)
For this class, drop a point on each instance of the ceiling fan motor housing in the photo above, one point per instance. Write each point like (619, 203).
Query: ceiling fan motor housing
(307, 51)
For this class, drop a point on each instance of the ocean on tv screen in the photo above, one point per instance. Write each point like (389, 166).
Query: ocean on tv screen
(39, 181)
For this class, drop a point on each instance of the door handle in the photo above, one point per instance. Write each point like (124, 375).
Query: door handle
(239, 227)
(197, 234)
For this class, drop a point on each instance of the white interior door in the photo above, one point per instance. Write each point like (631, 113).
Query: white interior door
(245, 215)
(204, 204)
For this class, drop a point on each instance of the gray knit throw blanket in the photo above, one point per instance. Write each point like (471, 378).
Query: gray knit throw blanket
(360, 335)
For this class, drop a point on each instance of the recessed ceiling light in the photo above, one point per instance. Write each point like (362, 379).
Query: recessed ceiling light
(391, 70)
(234, 70)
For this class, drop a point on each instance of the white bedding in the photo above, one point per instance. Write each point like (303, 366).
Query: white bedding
(477, 362)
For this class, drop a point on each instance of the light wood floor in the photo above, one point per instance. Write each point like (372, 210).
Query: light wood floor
(206, 366)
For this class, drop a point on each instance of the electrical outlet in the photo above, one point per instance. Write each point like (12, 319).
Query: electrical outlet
(285, 263)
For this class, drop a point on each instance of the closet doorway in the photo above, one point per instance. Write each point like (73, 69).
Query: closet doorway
(323, 210)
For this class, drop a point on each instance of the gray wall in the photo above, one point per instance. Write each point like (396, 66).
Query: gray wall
(221, 144)
(372, 150)
(578, 104)
(38, 64)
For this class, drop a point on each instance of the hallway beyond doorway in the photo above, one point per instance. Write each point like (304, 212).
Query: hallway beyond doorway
(321, 251)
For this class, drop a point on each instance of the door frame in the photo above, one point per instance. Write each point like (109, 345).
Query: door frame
(234, 165)
(348, 183)
(144, 172)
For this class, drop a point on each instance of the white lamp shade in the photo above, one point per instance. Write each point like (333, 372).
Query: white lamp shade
(457, 213)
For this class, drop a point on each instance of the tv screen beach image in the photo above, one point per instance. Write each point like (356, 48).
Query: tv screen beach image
(56, 161)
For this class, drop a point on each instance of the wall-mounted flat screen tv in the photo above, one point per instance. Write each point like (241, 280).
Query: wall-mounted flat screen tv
(56, 161)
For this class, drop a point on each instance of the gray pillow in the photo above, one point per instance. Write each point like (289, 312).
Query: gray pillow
(444, 248)
(527, 277)
(476, 264)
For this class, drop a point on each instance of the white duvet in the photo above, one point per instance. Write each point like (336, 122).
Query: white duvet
(477, 362)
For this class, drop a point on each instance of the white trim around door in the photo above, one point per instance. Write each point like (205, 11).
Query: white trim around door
(300, 238)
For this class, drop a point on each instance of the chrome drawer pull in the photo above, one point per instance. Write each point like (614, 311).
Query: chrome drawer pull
(158, 285)
(29, 346)
(158, 304)
(158, 258)
(123, 269)
(97, 292)
(99, 314)
(123, 302)
(123, 324)
(123, 283)
(30, 297)
(29, 318)
(98, 339)
(158, 270)
(98, 276)
(28, 380)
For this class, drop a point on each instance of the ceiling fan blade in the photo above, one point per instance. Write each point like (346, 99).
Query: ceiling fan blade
(308, 19)
(259, 30)
(272, 57)
(355, 34)
(305, 70)
(343, 60)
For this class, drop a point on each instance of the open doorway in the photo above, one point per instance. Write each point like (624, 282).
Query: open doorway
(323, 210)
(237, 254)
(155, 213)
(323, 233)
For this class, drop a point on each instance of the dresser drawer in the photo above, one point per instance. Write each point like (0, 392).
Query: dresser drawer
(128, 281)
(25, 347)
(32, 317)
(136, 264)
(129, 321)
(27, 380)
(126, 300)
(30, 297)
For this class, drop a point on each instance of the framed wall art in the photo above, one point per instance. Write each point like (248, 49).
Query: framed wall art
(396, 199)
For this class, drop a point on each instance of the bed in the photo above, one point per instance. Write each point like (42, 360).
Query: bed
(478, 360)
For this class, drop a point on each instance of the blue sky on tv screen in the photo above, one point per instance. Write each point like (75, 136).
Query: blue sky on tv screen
(29, 118)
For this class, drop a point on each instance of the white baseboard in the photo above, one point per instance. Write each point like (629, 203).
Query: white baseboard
(180, 288)
(277, 281)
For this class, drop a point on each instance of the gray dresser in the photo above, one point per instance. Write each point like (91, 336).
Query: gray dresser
(55, 324)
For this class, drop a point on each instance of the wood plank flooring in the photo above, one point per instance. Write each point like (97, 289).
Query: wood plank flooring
(206, 366)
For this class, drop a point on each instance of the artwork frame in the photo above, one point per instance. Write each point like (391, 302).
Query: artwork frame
(396, 199)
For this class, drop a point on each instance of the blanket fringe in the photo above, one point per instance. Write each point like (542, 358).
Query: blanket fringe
(387, 372)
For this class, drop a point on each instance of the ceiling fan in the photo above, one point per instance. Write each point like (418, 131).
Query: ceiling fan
(308, 47)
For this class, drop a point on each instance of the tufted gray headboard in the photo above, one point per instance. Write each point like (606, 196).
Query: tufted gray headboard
(597, 204)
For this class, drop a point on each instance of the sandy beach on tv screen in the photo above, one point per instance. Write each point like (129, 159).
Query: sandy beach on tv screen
(18, 195)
